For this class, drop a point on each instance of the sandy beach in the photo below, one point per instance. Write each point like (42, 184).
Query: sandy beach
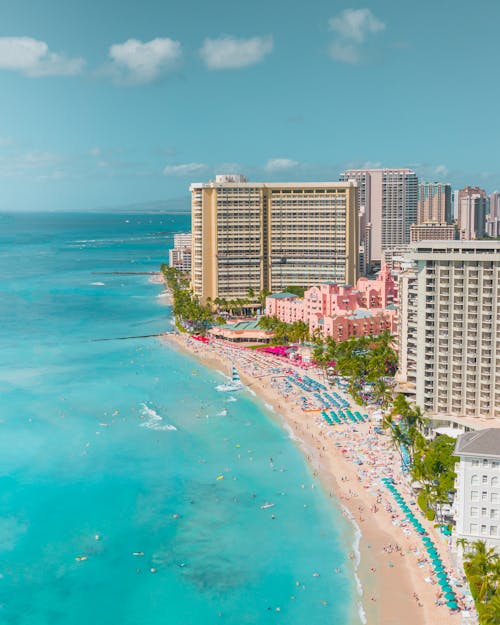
(398, 584)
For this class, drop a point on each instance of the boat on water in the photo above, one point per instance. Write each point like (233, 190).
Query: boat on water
(235, 385)
(266, 505)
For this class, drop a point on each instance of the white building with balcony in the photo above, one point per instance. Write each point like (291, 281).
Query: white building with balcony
(449, 328)
(477, 501)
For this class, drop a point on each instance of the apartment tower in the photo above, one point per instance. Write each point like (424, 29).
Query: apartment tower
(267, 236)
(449, 328)
(493, 219)
(434, 203)
(472, 209)
(388, 199)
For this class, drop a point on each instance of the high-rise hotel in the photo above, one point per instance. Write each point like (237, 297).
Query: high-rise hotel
(388, 200)
(449, 328)
(267, 236)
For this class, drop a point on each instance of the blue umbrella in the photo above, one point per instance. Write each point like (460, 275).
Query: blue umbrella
(452, 605)
(450, 596)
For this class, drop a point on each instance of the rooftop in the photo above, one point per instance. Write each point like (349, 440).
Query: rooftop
(481, 443)
(283, 295)
(242, 325)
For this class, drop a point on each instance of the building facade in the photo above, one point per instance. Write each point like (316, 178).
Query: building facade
(473, 206)
(434, 203)
(179, 256)
(449, 328)
(341, 311)
(493, 219)
(266, 236)
(389, 199)
(477, 500)
(433, 232)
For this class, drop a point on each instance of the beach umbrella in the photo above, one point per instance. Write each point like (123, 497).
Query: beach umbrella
(445, 587)
(450, 596)
(438, 567)
(441, 575)
(452, 605)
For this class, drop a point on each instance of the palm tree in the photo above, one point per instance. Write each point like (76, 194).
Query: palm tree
(382, 393)
(479, 565)
(490, 613)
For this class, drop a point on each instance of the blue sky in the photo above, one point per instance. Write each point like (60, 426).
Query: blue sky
(111, 104)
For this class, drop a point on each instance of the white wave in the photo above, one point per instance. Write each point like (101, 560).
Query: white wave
(97, 284)
(222, 413)
(231, 398)
(153, 421)
(164, 294)
(269, 407)
(227, 388)
(357, 560)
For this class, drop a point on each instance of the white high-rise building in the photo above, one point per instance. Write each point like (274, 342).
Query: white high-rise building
(449, 328)
(477, 500)
(389, 198)
(179, 256)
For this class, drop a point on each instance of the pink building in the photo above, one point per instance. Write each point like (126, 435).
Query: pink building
(341, 311)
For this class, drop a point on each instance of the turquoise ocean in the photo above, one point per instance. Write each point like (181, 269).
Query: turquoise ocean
(113, 448)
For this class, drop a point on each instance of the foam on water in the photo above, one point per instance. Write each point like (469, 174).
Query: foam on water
(153, 421)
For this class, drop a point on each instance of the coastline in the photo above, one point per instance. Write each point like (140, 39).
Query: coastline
(387, 570)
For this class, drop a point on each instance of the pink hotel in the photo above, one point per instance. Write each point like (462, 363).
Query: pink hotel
(341, 311)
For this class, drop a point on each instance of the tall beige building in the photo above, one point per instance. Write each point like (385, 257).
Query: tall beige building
(472, 210)
(434, 203)
(267, 236)
(449, 328)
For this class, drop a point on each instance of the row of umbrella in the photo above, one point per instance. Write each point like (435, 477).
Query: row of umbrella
(437, 564)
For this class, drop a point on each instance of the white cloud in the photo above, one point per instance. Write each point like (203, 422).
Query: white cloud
(280, 164)
(227, 52)
(134, 62)
(33, 58)
(441, 170)
(352, 28)
(184, 169)
(355, 24)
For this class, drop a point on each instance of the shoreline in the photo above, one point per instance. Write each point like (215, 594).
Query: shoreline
(389, 581)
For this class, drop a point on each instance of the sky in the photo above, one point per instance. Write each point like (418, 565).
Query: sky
(111, 105)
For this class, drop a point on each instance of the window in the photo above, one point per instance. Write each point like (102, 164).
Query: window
(474, 511)
(485, 462)
(494, 480)
(494, 498)
(474, 479)
(473, 528)
(483, 511)
(493, 530)
(475, 463)
(484, 495)
(494, 465)
(483, 529)
(484, 479)
(475, 495)
(494, 514)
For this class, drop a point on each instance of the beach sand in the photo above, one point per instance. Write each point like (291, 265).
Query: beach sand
(394, 588)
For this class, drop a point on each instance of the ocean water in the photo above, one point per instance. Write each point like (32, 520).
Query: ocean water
(115, 448)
